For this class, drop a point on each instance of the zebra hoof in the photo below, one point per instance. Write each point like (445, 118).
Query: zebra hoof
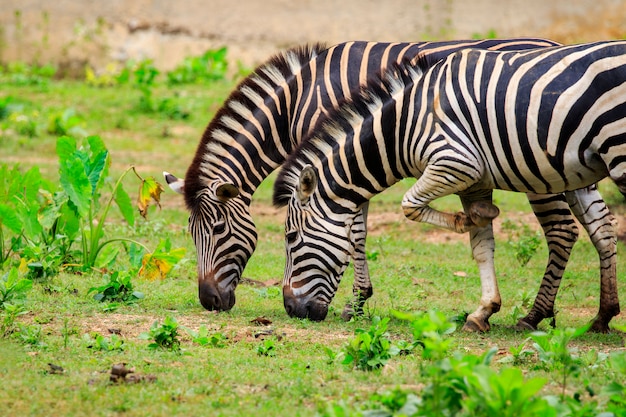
(523, 326)
(599, 325)
(483, 212)
(350, 311)
(475, 326)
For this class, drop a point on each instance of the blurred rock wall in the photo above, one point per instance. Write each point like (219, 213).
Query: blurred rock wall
(75, 32)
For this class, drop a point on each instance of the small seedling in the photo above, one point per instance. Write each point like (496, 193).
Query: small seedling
(554, 351)
(267, 347)
(118, 288)
(30, 335)
(372, 348)
(164, 336)
(203, 338)
(523, 240)
(97, 341)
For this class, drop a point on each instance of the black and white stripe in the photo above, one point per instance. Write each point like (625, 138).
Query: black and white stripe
(543, 121)
(257, 127)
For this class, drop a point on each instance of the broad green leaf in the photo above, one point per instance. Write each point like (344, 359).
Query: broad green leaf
(9, 219)
(150, 189)
(66, 149)
(96, 170)
(30, 221)
(73, 177)
(125, 205)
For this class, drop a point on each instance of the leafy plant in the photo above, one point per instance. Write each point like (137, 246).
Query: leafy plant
(99, 342)
(372, 348)
(30, 335)
(523, 240)
(13, 289)
(164, 336)
(161, 261)
(66, 123)
(210, 66)
(203, 338)
(554, 351)
(9, 314)
(267, 347)
(118, 288)
(506, 393)
(429, 331)
(82, 175)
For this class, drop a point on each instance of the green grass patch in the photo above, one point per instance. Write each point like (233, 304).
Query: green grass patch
(60, 345)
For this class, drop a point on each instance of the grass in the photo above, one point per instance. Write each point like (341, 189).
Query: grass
(411, 272)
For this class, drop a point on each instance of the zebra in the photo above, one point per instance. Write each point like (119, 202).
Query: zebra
(544, 121)
(263, 119)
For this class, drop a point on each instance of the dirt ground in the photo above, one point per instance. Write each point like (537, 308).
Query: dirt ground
(74, 32)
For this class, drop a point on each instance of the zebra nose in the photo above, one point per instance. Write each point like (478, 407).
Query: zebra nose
(302, 308)
(212, 297)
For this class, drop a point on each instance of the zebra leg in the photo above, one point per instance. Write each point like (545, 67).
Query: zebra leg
(478, 213)
(476, 218)
(483, 245)
(561, 232)
(362, 288)
(590, 209)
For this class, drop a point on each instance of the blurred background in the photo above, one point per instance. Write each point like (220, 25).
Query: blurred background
(73, 33)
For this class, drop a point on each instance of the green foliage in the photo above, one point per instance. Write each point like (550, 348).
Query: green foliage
(523, 240)
(267, 347)
(9, 314)
(203, 338)
(30, 335)
(430, 331)
(504, 393)
(22, 74)
(108, 344)
(556, 354)
(66, 123)
(370, 349)
(210, 66)
(164, 336)
(117, 288)
(13, 289)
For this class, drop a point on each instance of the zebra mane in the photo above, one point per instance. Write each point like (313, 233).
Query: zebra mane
(245, 98)
(332, 129)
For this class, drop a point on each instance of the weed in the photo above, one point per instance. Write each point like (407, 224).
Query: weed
(117, 288)
(66, 123)
(506, 393)
(267, 347)
(203, 338)
(13, 289)
(164, 336)
(108, 344)
(554, 351)
(9, 314)
(519, 354)
(30, 335)
(523, 240)
(372, 348)
(210, 66)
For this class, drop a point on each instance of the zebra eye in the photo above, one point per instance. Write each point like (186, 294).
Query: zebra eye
(219, 227)
(291, 236)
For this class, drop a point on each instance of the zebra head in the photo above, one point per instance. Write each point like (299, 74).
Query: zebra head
(318, 248)
(225, 237)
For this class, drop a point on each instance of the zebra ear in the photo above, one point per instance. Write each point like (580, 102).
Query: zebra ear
(176, 184)
(307, 183)
(226, 191)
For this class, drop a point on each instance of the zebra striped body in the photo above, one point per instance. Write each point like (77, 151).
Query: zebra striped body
(543, 121)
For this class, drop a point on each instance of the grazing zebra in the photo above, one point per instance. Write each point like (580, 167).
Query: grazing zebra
(545, 121)
(269, 113)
